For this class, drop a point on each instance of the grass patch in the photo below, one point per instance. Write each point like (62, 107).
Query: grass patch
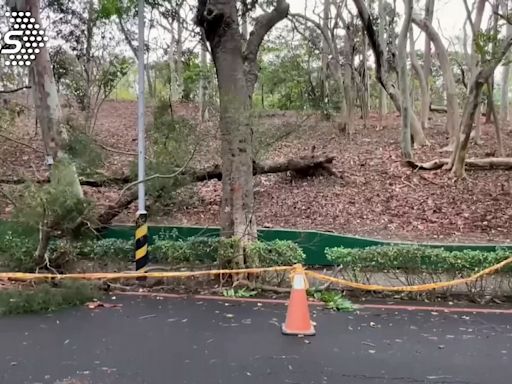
(334, 301)
(45, 297)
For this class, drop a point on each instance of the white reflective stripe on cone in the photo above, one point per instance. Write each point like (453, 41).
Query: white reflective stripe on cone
(298, 282)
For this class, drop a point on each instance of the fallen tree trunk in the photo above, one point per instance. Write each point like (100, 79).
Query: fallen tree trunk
(442, 109)
(303, 166)
(489, 163)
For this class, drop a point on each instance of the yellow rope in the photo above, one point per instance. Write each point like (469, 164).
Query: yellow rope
(14, 276)
(411, 288)
(294, 270)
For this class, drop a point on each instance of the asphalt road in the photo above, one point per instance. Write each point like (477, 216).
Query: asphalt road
(160, 341)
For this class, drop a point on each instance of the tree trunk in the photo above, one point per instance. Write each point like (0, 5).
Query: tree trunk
(219, 19)
(475, 29)
(49, 116)
(427, 53)
(403, 80)
(203, 85)
(424, 102)
(325, 53)
(133, 48)
(365, 92)
(475, 89)
(88, 66)
(348, 83)
(499, 142)
(490, 94)
(383, 104)
(382, 72)
(178, 59)
(262, 25)
(506, 70)
(504, 163)
(452, 118)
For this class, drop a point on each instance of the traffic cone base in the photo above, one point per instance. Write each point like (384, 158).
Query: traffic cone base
(298, 321)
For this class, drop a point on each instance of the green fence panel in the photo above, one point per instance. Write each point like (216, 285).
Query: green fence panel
(313, 243)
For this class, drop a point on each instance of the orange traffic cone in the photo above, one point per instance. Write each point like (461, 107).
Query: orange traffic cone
(298, 321)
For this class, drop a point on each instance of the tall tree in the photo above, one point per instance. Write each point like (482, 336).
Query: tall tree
(475, 29)
(495, 6)
(383, 72)
(427, 53)
(49, 115)
(325, 51)
(237, 73)
(403, 80)
(452, 118)
(504, 107)
(203, 83)
(418, 70)
(383, 105)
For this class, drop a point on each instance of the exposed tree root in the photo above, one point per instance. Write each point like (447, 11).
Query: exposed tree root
(489, 163)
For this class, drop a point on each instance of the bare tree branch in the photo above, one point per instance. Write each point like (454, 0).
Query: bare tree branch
(3, 91)
(262, 25)
(21, 143)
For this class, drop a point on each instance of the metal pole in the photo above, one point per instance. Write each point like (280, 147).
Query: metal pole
(141, 233)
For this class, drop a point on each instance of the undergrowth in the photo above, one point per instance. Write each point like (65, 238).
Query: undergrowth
(45, 297)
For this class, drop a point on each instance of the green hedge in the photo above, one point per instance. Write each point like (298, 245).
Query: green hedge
(416, 259)
(17, 251)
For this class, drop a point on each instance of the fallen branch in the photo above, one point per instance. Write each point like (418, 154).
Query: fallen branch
(113, 150)
(442, 109)
(3, 91)
(489, 163)
(21, 143)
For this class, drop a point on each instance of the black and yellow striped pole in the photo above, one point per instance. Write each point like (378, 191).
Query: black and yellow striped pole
(141, 241)
(141, 231)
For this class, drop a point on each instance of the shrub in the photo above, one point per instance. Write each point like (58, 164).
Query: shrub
(415, 259)
(47, 298)
(275, 253)
(196, 250)
(106, 249)
(17, 252)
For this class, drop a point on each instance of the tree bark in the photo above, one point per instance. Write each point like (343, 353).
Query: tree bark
(262, 25)
(365, 92)
(427, 53)
(219, 19)
(178, 58)
(475, 89)
(133, 48)
(203, 85)
(383, 104)
(335, 67)
(416, 66)
(504, 107)
(452, 118)
(305, 165)
(497, 124)
(475, 28)
(382, 73)
(325, 52)
(403, 80)
(348, 81)
(489, 113)
(49, 115)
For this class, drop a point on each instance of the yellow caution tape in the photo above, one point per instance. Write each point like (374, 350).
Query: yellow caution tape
(295, 270)
(15, 276)
(411, 288)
